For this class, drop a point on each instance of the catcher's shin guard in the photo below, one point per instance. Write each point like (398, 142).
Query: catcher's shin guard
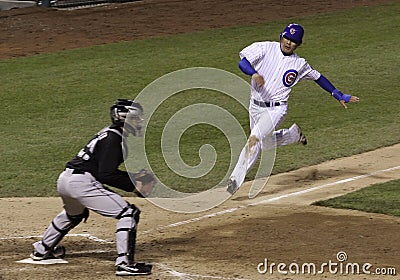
(131, 246)
(63, 226)
(126, 234)
(58, 228)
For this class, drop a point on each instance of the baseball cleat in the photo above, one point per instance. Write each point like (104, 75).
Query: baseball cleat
(58, 252)
(40, 257)
(303, 139)
(232, 186)
(134, 269)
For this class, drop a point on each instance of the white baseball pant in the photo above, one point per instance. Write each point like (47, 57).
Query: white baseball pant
(263, 136)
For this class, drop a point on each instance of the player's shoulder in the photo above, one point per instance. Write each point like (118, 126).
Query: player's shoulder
(298, 60)
(295, 56)
(111, 132)
(263, 46)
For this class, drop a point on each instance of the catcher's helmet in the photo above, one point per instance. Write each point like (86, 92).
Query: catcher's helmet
(293, 32)
(127, 113)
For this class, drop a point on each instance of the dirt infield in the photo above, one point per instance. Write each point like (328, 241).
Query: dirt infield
(37, 30)
(227, 242)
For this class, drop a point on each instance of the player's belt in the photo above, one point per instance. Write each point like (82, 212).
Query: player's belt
(268, 104)
(76, 171)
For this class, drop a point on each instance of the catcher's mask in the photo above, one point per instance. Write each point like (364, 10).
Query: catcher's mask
(293, 32)
(128, 113)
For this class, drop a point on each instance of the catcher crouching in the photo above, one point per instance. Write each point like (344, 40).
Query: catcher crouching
(81, 187)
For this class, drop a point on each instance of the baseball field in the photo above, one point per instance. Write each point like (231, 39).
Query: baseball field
(330, 210)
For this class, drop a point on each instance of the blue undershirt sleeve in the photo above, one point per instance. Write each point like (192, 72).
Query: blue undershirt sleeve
(325, 84)
(246, 67)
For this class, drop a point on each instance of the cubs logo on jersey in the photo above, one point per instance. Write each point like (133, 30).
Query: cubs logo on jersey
(289, 77)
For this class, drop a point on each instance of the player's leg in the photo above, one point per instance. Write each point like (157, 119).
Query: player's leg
(110, 204)
(92, 195)
(282, 137)
(262, 125)
(293, 135)
(128, 220)
(248, 156)
(49, 246)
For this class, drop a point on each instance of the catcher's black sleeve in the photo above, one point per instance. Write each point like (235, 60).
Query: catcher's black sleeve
(109, 159)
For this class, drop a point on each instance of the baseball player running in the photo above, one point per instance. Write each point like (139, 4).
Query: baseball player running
(81, 187)
(274, 69)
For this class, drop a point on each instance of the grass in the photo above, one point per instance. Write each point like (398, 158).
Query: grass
(380, 198)
(53, 103)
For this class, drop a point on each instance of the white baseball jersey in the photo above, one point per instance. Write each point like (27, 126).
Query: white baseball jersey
(280, 72)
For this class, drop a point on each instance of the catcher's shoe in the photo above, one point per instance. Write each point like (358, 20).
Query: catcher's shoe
(58, 252)
(232, 186)
(124, 269)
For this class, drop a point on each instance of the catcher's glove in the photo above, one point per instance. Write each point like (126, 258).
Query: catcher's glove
(144, 182)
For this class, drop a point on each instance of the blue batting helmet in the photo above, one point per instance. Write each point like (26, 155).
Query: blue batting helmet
(293, 32)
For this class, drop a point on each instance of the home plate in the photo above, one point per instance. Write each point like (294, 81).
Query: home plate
(49, 261)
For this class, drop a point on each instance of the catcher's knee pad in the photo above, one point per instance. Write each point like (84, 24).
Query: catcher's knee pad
(130, 211)
(73, 221)
(77, 219)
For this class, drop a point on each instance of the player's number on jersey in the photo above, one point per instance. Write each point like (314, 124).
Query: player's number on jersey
(87, 151)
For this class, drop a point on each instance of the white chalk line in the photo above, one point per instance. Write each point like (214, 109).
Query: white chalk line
(325, 186)
(85, 235)
(187, 276)
(273, 199)
(189, 221)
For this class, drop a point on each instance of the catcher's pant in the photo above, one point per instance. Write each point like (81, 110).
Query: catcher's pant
(80, 192)
(263, 121)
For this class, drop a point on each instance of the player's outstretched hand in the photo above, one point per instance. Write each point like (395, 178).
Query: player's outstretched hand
(353, 99)
(344, 98)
